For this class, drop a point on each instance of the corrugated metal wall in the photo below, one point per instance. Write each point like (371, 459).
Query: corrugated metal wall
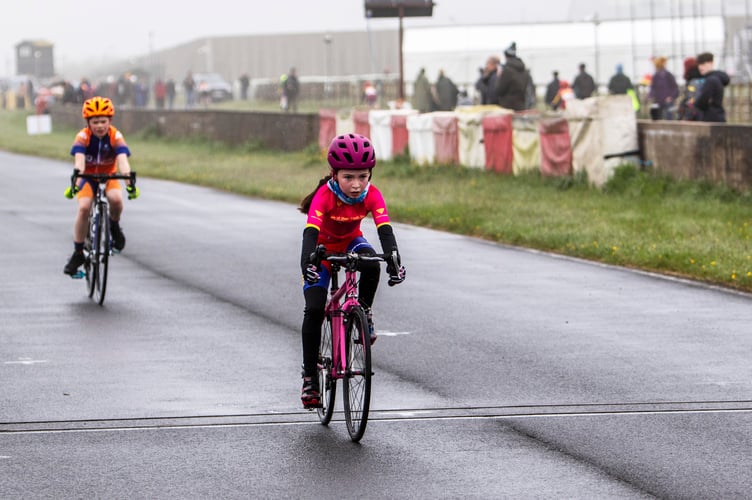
(269, 56)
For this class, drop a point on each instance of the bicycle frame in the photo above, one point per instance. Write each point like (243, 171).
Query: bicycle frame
(336, 308)
(98, 242)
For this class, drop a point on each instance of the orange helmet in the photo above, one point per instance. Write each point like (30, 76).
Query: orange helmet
(98, 106)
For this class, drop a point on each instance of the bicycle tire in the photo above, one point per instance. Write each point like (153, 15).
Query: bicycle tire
(327, 384)
(357, 381)
(102, 254)
(89, 251)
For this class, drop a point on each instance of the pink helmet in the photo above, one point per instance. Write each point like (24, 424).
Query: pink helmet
(351, 151)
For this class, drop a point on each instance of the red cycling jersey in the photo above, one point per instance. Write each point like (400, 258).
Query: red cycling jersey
(338, 223)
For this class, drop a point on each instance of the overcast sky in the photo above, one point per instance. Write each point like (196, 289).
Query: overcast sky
(93, 30)
(86, 30)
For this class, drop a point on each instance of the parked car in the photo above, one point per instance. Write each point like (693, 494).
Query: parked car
(219, 89)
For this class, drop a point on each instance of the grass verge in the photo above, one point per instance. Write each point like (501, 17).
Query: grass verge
(641, 220)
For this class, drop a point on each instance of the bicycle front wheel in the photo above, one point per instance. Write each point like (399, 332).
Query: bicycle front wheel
(327, 384)
(357, 382)
(90, 245)
(101, 254)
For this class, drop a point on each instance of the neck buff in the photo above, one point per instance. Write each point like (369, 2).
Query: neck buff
(334, 188)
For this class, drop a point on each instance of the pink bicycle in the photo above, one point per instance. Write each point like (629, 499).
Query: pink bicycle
(345, 348)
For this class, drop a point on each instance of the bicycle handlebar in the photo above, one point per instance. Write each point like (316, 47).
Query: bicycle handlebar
(102, 177)
(320, 254)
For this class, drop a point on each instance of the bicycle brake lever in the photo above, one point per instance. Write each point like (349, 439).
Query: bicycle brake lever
(317, 255)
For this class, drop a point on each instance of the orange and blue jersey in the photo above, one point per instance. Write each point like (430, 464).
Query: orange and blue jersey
(338, 222)
(101, 154)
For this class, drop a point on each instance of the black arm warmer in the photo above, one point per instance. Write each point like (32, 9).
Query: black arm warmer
(310, 237)
(386, 236)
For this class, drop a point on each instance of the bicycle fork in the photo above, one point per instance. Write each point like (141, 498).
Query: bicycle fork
(339, 356)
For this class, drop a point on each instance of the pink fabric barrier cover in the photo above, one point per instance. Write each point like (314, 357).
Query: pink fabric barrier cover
(446, 139)
(556, 147)
(497, 143)
(327, 127)
(360, 122)
(399, 134)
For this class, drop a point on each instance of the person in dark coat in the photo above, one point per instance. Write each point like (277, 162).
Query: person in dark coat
(446, 93)
(552, 90)
(512, 84)
(422, 96)
(486, 84)
(583, 84)
(693, 82)
(292, 90)
(710, 100)
(663, 91)
(619, 83)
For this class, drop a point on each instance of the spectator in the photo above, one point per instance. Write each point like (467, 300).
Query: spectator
(619, 83)
(564, 95)
(512, 84)
(21, 96)
(446, 93)
(486, 84)
(583, 84)
(693, 82)
(160, 92)
(370, 95)
(291, 91)
(245, 82)
(69, 93)
(204, 95)
(422, 98)
(189, 85)
(170, 92)
(710, 100)
(663, 91)
(552, 90)
(141, 94)
(84, 92)
(463, 99)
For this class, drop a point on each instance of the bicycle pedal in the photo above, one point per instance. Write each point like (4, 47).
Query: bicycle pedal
(78, 275)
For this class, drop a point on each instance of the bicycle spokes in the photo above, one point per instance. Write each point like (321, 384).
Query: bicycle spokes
(357, 383)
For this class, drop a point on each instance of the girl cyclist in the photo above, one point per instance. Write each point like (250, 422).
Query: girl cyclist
(335, 210)
(98, 149)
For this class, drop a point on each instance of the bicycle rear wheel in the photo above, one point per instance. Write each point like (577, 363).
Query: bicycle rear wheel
(327, 384)
(357, 382)
(101, 254)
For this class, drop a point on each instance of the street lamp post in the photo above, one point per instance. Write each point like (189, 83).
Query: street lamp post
(596, 22)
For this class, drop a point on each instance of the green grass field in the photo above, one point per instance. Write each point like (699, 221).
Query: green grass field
(639, 220)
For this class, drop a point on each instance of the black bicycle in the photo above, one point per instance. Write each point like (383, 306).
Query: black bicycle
(98, 242)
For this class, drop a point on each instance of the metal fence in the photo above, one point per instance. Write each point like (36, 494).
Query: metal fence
(344, 92)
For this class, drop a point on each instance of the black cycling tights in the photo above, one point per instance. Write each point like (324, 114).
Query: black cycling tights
(313, 314)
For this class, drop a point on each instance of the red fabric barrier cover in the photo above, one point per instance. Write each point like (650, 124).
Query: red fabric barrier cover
(360, 122)
(446, 139)
(497, 143)
(399, 134)
(556, 147)
(327, 127)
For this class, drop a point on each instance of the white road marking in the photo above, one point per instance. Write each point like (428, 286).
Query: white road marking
(26, 361)
(390, 334)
